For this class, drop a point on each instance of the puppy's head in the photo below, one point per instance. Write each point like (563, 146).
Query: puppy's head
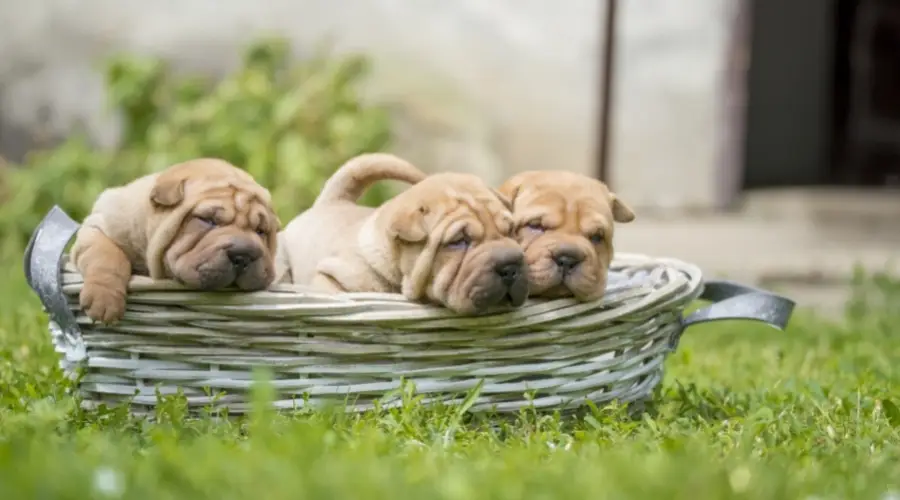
(564, 222)
(212, 227)
(450, 237)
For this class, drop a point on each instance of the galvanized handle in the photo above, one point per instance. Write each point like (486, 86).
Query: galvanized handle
(42, 269)
(732, 300)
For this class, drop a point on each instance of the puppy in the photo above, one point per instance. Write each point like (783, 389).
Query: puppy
(204, 223)
(564, 222)
(445, 240)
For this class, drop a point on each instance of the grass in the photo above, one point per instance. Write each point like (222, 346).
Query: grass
(744, 412)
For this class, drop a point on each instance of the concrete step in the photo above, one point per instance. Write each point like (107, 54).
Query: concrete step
(807, 243)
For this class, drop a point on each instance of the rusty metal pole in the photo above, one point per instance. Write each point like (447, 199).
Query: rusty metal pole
(606, 91)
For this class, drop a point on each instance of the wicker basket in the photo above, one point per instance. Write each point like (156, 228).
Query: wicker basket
(353, 349)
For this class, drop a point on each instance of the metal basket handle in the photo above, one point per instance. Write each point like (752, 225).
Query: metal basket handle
(732, 300)
(42, 268)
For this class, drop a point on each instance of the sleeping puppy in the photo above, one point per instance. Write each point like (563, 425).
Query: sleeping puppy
(204, 223)
(564, 222)
(445, 240)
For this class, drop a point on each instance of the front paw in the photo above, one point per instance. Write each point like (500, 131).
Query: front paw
(102, 303)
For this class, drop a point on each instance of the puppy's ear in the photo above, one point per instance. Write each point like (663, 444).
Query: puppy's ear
(621, 212)
(168, 190)
(510, 190)
(507, 203)
(408, 224)
(276, 222)
(272, 241)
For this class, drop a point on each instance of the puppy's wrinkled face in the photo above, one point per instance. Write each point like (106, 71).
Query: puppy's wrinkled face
(226, 231)
(452, 236)
(564, 222)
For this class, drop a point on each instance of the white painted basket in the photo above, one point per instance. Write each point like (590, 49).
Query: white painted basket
(352, 349)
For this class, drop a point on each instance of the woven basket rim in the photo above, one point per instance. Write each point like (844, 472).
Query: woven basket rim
(143, 285)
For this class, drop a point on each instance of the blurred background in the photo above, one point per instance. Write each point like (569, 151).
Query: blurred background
(759, 139)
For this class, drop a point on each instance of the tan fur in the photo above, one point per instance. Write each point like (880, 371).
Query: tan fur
(188, 223)
(444, 241)
(562, 216)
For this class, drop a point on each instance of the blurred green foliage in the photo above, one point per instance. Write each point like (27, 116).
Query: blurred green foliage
(289, 125)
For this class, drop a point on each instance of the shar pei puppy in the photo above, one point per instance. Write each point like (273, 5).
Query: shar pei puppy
(204, 223)
(445, 240)
(565, 224)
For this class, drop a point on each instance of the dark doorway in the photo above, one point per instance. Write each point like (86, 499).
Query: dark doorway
(789, 94)
(867, 93)
(823, 94)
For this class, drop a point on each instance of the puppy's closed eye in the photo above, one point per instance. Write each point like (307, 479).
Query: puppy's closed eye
(206, 220)
(535, 226)
(460, 242)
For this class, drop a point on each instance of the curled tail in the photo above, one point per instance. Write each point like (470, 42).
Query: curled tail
(355, 176)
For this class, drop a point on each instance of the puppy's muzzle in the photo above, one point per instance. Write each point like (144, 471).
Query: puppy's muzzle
(567, 258)
(242, 254)
(512, 273)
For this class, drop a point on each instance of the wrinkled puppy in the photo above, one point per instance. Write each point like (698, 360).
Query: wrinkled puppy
(564, 222)
(445, 240)
(204, 223)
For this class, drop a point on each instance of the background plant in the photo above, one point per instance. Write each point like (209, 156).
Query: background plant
(289, 125)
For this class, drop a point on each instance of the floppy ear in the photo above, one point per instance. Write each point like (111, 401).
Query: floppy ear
(408, 224)
(507, 203)
(274, 230)
(621, 212)
(276, 222)
(168, 190)
(509, 190)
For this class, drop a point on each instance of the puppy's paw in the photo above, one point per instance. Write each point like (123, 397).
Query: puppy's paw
(102, 303)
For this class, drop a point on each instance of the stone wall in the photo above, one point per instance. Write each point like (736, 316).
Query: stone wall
(667, 122)
(487, 86)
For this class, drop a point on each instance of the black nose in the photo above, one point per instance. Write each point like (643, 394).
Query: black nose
(239, 260)
(567, 258)
(509, 270)
(509, 273)
(241, 257)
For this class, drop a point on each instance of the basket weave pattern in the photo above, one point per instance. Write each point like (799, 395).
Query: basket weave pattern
(353, 348)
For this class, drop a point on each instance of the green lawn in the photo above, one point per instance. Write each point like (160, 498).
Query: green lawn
(745, 412)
